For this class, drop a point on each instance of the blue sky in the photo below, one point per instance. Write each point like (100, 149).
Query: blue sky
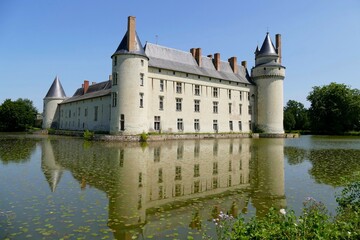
(74, 39)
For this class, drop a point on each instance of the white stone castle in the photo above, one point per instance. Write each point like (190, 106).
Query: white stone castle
(160, 89)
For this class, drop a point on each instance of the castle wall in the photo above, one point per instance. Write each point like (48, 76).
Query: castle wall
(90, 114)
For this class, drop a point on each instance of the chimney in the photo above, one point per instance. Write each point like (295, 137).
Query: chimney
(233, 64)
(216, 61)
(131, 33)
(198, 56)
(244, 64)
(278, 46)
(193, 52)
(86, 86)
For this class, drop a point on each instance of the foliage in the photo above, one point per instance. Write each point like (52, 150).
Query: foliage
(313, 223)
(88, 136)
(17, 115)
(295, 116)
(335, 108)
(143, 137)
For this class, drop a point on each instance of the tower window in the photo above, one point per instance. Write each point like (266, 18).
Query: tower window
(178, 87)
(115, 60)
(215, 107)
(240, 109)
(161, 103)
(122, 122)
(240, 126)
(96, 108)
(115, 78)
(180, 125)
(215, 92)
(114, 99)
(142, 62)
(240, 95)
(231, 125)
(141, 79)
(161, 85)
(141, 100)
(229, 93)
(197, 90)
(230, 108)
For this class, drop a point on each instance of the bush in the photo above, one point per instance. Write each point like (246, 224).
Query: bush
(143, 137)
(88, 136)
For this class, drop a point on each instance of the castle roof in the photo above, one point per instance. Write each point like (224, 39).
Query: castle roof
(177, 60)
(95, 90)
(267, 47)
(123, 46)
(56, 90)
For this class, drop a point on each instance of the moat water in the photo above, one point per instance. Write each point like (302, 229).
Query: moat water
(67, 188)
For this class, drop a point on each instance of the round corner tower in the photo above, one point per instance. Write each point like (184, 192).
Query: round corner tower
(268, 75)
(129, 85)
(55, 95)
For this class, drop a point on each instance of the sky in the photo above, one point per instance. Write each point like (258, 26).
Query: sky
(74, 40)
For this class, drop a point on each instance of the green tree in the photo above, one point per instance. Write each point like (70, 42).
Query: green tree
(295, 116)
(17, 115)
(335, 108)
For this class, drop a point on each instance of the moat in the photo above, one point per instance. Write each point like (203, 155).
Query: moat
(64, 188)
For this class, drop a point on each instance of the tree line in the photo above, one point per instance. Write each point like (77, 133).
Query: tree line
(334, 109)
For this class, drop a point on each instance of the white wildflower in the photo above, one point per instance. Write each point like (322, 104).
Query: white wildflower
(282, 211)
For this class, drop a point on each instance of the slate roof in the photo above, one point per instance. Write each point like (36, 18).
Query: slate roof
(95, 90)
(123, 46)
(56, 90)
(267, 47)
(177, 60)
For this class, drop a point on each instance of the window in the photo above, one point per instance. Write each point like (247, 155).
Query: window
(161, 103)
(115, 78)
(141, 79)
(96, 108)
(85, 112)
(197, 105)
(180, 126)
(250, 125)
(142, 62)
(178, 104)
(160, 175)
(157, 123)
(115, 60)
(231, 125)
(69, 113)
(161, 85)
(250, 110)
(78, 111)
(229, 107)
(215, 107)
(196, 170)
(215, 92)
(178, 173)
(229, 94)
(178, 87)
(240, 126)
(215, 125)
(114, 99)
(215, 168)
(122, 122)
(141, 100)
(240, 109)
(240, 96)
(197, 90)
(248, 96)
(196, 125)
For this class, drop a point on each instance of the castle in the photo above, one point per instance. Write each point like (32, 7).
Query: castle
(160, 89)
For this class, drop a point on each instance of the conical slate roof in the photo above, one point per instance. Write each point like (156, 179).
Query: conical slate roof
(123, 46)
(56, 90)
(267, 47)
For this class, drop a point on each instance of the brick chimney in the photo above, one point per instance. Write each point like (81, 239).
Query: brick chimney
(216, 61)
(198, 56)
(233, 64)
(86, 86)
(278, 46)
(244, 64)
(193, 51)
(131, 33)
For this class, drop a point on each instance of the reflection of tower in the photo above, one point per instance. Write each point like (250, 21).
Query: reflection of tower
(127, 208)
(268, 175)
(50, 168)
(54, 96)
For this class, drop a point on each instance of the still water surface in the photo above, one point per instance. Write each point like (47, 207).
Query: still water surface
(58, 187)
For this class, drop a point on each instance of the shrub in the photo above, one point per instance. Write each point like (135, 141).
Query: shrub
(143, 137)
(88, 136)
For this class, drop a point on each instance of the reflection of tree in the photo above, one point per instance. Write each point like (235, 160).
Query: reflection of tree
(335, 167)
(294, 155)
(16, 150)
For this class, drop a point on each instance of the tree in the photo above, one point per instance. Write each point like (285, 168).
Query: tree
(17, 115)
(295, 116)
(335, 108)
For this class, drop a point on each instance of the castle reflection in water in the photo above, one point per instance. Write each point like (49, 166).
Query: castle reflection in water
(164, 177)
